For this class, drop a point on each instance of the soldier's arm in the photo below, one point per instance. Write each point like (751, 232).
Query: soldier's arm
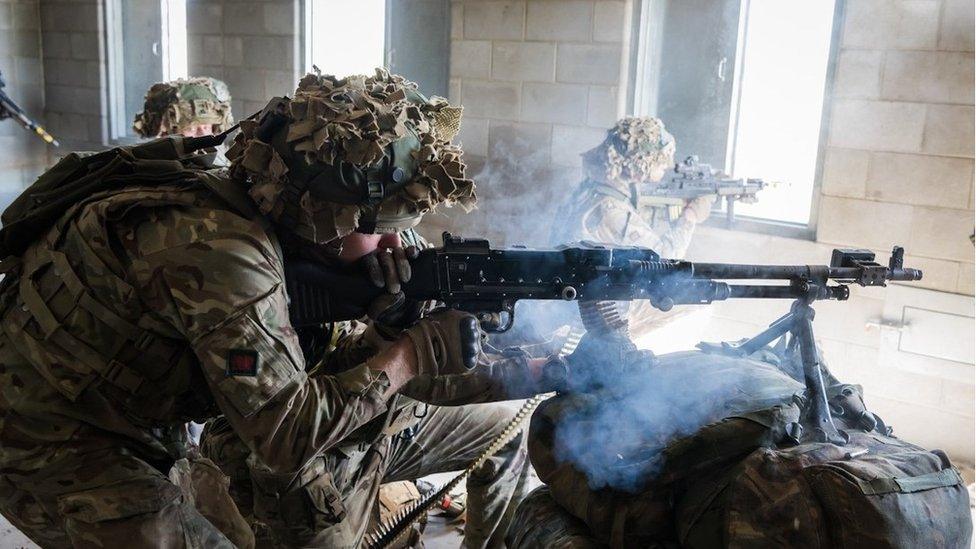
(491, 381)
(355, 344)
(224, 291)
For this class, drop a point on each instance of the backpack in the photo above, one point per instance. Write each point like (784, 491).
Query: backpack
(79, 176)
(876, 491)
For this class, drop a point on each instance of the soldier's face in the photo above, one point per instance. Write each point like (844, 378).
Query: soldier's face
(196, 130)
(658, 173)
(357, 245)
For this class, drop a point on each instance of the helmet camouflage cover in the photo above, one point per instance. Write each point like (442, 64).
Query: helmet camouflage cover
(633, 149)
(171, 107)
(359, 153)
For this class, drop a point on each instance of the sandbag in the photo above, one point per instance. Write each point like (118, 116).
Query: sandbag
(621, 478)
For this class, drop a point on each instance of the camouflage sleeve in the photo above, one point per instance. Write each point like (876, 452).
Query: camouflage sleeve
(221, 286)
(355, 343)
(490, 381)
(616, 222)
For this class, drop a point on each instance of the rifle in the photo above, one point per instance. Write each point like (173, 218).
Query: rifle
(691, 179)
(467, 274)
(10, 109)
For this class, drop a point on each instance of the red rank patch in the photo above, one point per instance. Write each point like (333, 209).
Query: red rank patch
(242, 362)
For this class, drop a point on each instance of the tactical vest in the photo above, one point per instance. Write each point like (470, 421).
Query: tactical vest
(67, 309)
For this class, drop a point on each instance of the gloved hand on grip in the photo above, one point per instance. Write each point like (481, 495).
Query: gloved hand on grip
(446, 342)
(391, 313)
(389, 267)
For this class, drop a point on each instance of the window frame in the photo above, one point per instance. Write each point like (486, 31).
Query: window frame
(115, 70)
(642, 96)
(118, 124)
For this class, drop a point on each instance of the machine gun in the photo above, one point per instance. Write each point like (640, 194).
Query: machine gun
(467, 274)
(10, 109)
(691, 179)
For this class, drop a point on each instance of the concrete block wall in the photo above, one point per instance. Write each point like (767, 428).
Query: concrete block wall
(899, 158)
(898, 169)
(252, 46)
(22, 155)
(540, 82)
(74, 61)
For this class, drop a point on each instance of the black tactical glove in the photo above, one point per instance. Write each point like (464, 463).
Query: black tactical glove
(391, 312)
(389, 267)
(447, 342)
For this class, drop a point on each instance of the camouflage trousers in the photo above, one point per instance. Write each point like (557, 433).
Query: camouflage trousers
(333, 501)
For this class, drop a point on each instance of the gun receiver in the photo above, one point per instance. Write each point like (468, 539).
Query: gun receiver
(691, 179)
(10, 109)
(469, 275)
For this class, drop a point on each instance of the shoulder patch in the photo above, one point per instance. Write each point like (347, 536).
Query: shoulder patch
(242, 362)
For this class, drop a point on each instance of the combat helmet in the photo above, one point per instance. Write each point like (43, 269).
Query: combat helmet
(633, 149)
(171, 107)
(363, 153)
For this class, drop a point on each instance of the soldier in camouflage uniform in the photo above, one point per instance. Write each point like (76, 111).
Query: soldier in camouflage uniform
(155, 295)
(190, 107)
(636, 151)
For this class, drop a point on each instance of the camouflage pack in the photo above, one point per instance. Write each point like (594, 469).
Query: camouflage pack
(623, 486)
(540, 522)
(80, 175)
(876, 491)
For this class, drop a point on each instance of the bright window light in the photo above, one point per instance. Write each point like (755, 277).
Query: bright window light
(146, 43)
(346, 36)
(784, 67)
(174, 39)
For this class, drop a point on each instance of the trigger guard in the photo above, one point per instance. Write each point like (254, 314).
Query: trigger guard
(492, 322)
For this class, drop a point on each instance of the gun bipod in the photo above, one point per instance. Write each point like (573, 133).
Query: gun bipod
(798, 326)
